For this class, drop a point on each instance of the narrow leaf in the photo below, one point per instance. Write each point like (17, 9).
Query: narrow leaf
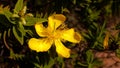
(18, 35)
(32, 20)
(18, 6)
(50, 64)
(89, 56)
(21, 28)
(8, 15)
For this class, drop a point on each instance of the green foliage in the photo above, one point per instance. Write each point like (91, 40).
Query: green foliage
(91, 16)
(95, 35)
(15, 56)
(19, 22)
(89, 56)
(90, 61)
(18, 6)
(31, 20)
(49, 65)
(19, 34)
(118, 52)
(8, 15)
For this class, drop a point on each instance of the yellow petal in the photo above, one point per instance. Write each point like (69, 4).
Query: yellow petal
(55, 21)
(106, 39)
(71, 36)
(41, 30)
(61, 49)
(40, 45)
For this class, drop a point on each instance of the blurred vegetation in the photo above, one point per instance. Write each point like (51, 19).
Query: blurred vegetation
(95, 20)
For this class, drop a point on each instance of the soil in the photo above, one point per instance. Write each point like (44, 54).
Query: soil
(109, 59)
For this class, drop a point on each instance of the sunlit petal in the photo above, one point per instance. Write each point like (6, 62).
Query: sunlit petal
(41, 30)
(40, 45)
(61, 49)
(71, 36)
(106, 41)
(55, 21)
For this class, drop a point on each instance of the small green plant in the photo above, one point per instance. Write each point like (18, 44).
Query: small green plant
(90, 61)
(38, 33)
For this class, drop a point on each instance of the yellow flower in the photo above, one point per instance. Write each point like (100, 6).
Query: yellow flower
(106, 40)
(54, 34)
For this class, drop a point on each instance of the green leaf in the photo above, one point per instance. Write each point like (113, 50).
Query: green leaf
(79, 63)
(37, 65)
(89, 56)
(18, 6)
(16, 56)
(21, 28)
(8, 15)
(18, 35)
(97, 63)
(74, 1)
(60, 60)
(32, 20)
(50, 64)
(118, 53)
(91, 34)
(86, 35)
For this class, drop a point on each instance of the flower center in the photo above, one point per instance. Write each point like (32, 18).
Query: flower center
(54, 35)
